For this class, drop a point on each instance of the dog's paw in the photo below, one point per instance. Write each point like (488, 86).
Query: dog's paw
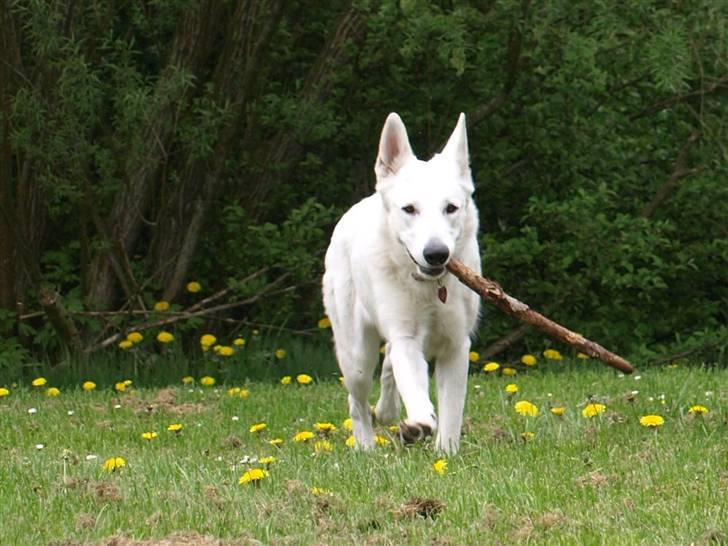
(411, 432)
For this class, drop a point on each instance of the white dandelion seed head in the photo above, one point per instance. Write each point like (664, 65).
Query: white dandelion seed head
(32, 411)
(39, 446)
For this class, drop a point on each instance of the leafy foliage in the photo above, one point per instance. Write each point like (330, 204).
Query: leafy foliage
(152, 144)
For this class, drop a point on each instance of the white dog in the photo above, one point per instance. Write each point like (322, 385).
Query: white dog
(386, 279)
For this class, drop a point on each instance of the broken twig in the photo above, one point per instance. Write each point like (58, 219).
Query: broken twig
(492, 292)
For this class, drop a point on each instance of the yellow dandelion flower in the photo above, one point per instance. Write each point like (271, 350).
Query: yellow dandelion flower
(593, 409)
(125, 344)
(161, 305)
(165, 337)
(188, 380)
(393, 428)
(4, 392)
(350, 441)
(473, 356)
(226, 350)
(348, 424)
(509, 371)
(149, 435)
(175, 427)
(440, 466)
(698, 410)
(88, 386)
(258, 427)
(208, 340)
(511, 388)
(134, 337)
(233, 391)
(491, 367)
(128, 382)
(303, 436)
(120, 386)
(207, 381)
(239, 342)
(193, 287)
(652, 421)
(324, 323)
(529, 360)
(114, 463)
(303, 379)
(526, 408)
(552, 354)
(280, 354)
(267, 461)
(381, 440)
(217, 348)
(527, 435)
(319, 491)
(244, 393)
(286, 380)
(322, 446)
(559, 410)
(53, 391)
(325, 427)
(276, 442)
(254, 476)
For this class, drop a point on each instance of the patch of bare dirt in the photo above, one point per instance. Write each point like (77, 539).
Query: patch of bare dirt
(420, 507)
(106, 491)
(164, 400)
(594, 479)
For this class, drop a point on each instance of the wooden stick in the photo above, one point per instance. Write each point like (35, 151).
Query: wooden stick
(492, 292)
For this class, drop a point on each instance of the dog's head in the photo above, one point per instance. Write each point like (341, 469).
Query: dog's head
(428, 203)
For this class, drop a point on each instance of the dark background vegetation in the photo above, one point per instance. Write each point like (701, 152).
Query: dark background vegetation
(145, 144)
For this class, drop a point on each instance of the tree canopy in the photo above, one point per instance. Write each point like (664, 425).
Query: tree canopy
(148, 144)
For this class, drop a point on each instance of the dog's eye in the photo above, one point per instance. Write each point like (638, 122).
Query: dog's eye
(451, 208)
(409, 209)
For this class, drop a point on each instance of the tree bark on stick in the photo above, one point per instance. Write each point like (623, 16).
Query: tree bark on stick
(492, 292)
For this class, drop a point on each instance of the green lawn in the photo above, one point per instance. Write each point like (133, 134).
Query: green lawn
(578, 480)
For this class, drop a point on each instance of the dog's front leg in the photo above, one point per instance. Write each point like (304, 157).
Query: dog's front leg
(410, 373)
(451, 375)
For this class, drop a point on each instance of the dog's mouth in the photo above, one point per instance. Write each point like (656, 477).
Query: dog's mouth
(425, 272)
(431, 272)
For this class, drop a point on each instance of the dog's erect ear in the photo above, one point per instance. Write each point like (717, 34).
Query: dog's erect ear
(394, 147)
(457, 147)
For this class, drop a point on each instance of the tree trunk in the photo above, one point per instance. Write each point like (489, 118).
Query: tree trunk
(181, 218)
(284, 150)
(194, 39)
(8, 255)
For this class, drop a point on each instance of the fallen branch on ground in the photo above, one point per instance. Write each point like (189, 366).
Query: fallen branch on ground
(492, 292)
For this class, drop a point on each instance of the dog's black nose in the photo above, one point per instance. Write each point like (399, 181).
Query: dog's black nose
(436, 253)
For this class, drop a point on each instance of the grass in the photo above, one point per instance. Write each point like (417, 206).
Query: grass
(605, 480)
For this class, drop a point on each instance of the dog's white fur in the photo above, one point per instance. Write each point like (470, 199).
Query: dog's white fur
(379, 284)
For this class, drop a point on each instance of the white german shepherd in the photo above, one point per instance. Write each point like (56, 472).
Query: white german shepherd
(386, 279)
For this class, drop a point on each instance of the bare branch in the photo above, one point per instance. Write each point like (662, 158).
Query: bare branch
(680, 171)
(492, 292)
